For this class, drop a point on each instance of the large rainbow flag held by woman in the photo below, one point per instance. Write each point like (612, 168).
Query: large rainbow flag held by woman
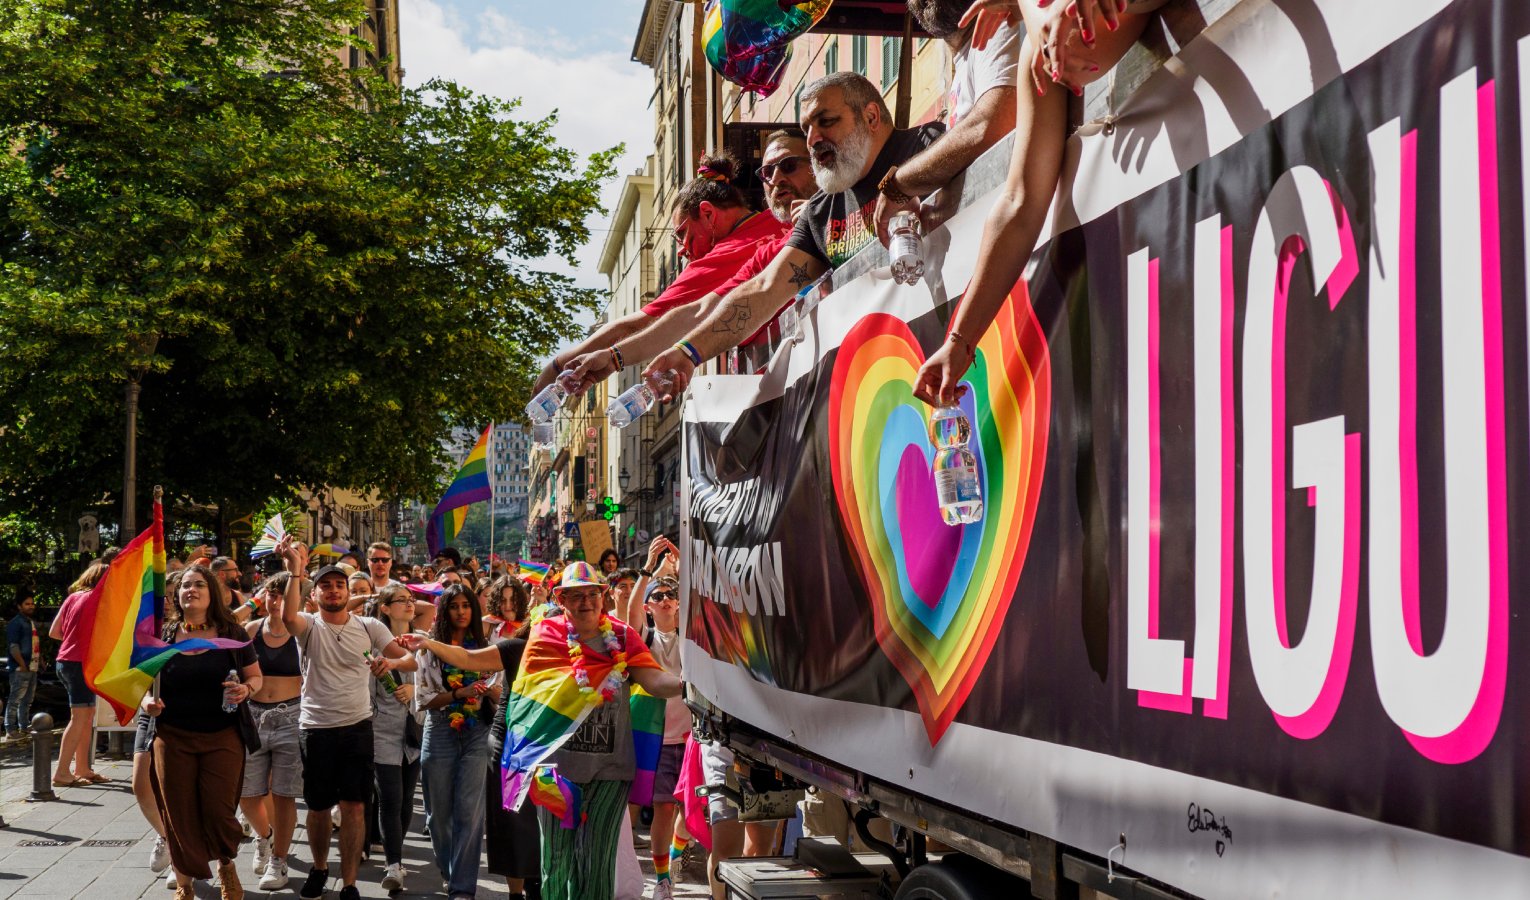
(471, 485)
(121, 622)
(544, 708)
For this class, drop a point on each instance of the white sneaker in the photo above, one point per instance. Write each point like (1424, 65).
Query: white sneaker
(262, 854)
(275, 877)
(159, 856)
(393, 877)
(170, 883)
(664, 890)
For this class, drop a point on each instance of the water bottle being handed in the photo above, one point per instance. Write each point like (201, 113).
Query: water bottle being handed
(958, 489)
(905, 248)
(638, 399)
(547, 402)
(229, 703)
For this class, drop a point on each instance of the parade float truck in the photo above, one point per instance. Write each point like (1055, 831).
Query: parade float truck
(1254, 436)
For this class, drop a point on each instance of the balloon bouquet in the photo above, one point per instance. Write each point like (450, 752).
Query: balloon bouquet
(749, 41)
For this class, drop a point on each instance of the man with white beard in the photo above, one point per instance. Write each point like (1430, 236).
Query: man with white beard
(852, 143)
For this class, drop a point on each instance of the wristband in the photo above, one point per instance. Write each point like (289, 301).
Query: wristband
(957, 336)
(690, 351)
(616, 357)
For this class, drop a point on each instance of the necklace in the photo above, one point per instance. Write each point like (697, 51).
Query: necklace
(332, 631)
(581, 666)
(190, 627)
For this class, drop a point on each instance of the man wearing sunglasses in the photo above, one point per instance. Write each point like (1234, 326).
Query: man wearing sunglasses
(380, 565)
(787, 173)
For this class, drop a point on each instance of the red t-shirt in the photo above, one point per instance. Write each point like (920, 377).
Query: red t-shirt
(73, 646)
(703, 276)
(756, 264)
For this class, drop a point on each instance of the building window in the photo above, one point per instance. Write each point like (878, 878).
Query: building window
(858, 54)
(831, 56)
(892, 50)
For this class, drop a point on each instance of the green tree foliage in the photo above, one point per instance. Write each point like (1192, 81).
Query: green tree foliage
(334, 268)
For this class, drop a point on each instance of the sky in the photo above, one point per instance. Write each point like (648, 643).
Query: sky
(579, 65)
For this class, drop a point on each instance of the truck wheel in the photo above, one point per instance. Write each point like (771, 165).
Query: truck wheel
(961, 878)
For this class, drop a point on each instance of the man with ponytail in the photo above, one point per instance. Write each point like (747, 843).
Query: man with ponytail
(716, 233)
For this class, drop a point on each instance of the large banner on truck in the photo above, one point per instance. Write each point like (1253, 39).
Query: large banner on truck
(1254, 439)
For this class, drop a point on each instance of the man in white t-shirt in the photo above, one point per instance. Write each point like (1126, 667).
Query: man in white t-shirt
(335, 719)
(980, 108)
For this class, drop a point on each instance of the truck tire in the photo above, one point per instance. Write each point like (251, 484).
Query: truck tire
(961, 878)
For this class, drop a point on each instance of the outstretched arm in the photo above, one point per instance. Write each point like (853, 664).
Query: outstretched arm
(608, 334)
(484, 659)
(657, 682)
(658, 334)
(739, 315)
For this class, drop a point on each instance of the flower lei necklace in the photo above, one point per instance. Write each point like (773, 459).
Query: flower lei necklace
(461, 714)
(614, 647)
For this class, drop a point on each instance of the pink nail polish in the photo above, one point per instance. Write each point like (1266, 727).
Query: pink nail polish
(1087, 35)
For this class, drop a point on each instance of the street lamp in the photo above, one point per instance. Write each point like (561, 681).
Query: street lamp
(624, 479)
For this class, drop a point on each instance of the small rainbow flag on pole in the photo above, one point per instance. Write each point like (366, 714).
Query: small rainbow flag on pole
(121, 620)
(557, 795)
(471, 485)
(534, 572)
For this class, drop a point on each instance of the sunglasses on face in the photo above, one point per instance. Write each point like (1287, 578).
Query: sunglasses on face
(788, 166)
(661, 596)
(380, 559)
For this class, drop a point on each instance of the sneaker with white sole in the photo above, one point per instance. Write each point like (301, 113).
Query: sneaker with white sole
(159, 856)
(275, 876)
(262, 854)
(170, 883)
(393, 877)
(316, 886)
(664, 890)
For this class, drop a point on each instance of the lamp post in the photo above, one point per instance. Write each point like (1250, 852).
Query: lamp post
(140, 348)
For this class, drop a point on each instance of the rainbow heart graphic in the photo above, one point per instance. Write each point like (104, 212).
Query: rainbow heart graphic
(939, 594)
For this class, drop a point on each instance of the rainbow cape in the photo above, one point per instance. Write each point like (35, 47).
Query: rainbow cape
(648, 740)
(471, 485)
(121, 622)
(534, 572)
(545, 706)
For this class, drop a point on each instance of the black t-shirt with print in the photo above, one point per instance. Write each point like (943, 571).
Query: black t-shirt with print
(836, 226)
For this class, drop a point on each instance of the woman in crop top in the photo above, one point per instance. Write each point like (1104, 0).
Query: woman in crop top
(273, 775)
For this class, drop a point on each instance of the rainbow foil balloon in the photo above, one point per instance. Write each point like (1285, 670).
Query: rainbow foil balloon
(938, 593)
(749, 41)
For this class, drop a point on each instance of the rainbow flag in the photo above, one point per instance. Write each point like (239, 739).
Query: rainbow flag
(121, 620)
(270, 536)
(434, 590)
(545, 705)
(648, 740)
(471, 485)
(557, 795)
(535, 572)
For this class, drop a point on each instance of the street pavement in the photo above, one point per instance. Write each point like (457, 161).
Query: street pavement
(92, 843)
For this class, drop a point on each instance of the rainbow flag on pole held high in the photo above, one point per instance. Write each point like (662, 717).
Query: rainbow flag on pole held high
(471, 485)
(121, 621)
(545, 705)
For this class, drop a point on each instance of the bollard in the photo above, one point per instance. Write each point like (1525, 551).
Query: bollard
(42, 759)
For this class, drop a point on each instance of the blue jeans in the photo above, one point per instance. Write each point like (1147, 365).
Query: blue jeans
(18, 712)
(453, 764)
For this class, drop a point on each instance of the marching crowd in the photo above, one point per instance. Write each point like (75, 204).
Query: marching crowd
(349, 689)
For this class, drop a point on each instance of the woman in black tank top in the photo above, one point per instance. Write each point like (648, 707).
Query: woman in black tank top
(273, 774)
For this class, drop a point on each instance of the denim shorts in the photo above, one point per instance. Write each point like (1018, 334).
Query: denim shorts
(277, 767)
(72, 674)
(143, 738)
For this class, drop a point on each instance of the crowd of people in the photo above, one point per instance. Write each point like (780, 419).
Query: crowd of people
(349, 685)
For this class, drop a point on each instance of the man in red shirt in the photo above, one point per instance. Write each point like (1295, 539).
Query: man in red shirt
(788, 177)
(716, 232)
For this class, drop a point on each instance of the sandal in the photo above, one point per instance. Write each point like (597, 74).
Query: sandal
(96, 778)
(70, 782)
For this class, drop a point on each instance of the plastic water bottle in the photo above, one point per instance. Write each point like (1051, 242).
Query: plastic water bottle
(638, 399)
(229, 703)
(958, 488)
(546, 404)
(906, 248)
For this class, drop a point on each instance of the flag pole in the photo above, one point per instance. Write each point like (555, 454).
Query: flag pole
(488, 468)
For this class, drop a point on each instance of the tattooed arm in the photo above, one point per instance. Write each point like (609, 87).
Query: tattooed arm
(742, 312)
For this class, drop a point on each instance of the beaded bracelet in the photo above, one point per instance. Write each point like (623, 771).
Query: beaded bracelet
(690, 351)
(616, 357)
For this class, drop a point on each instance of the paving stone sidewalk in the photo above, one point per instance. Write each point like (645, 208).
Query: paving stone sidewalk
(92, 843)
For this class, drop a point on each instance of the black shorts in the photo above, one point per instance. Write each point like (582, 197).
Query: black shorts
(72, 674)
(337, 764)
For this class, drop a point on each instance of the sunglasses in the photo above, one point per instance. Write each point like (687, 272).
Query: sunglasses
(380, 559)
(788, 166)
(661, 596)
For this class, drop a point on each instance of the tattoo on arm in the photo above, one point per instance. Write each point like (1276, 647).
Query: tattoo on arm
(800, 275)
(734, 319)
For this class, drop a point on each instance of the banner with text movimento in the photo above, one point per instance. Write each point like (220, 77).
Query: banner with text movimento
(1255, 447)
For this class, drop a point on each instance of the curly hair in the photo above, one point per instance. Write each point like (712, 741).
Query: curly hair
(520, 598)
(218, 614)
(713, 184)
